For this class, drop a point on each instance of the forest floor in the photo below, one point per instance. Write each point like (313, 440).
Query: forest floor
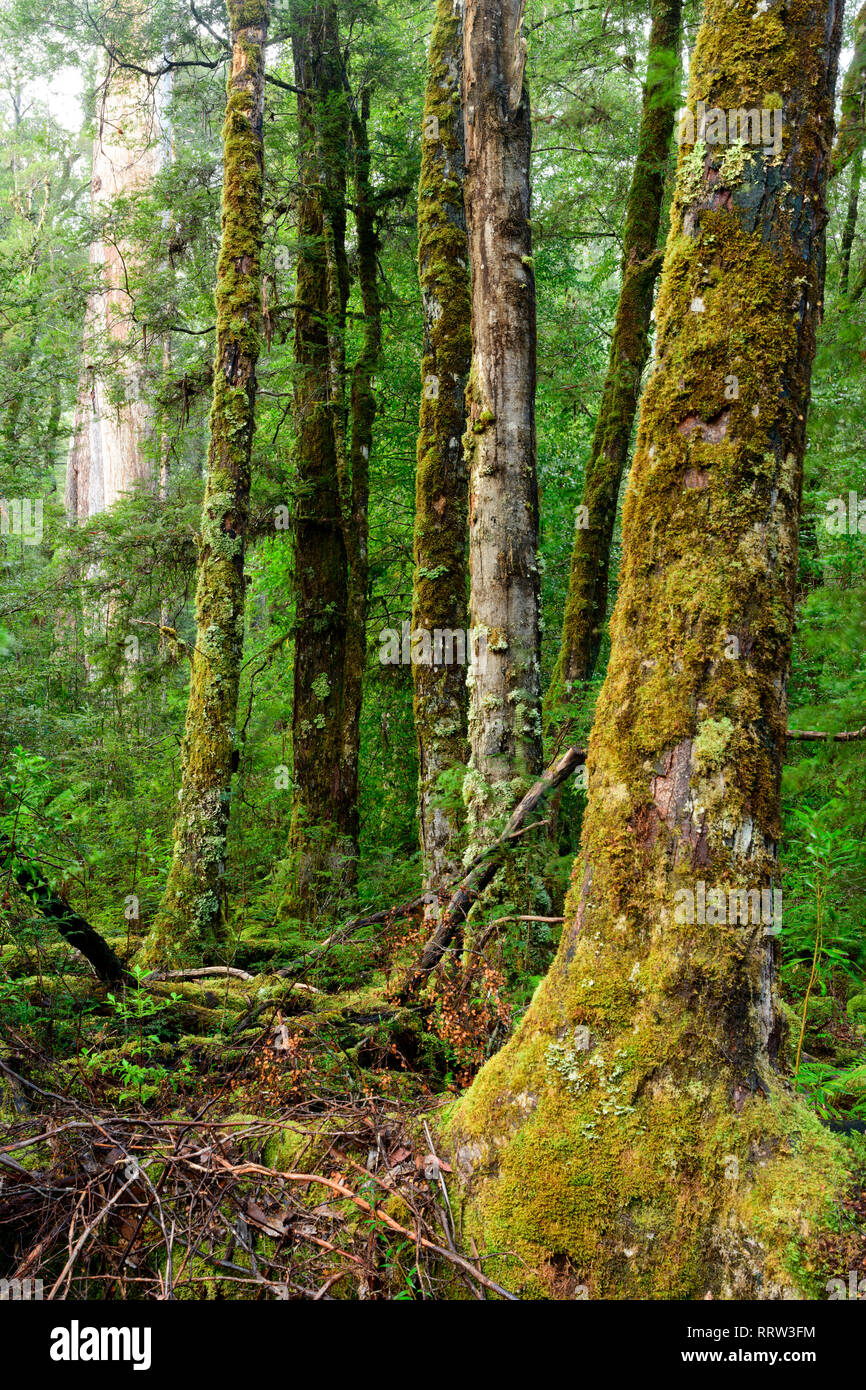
(260, 1135)
(241, 1135)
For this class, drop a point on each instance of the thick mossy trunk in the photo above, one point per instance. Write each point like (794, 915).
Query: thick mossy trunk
(637, 1136)
(439, 600)
(190, 925)
(586, 602)
(333, 468)
(504, 694)
(323, 830)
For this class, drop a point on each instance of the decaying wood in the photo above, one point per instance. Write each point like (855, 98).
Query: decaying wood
(820, 736)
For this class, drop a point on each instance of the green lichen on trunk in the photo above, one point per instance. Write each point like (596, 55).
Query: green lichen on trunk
(637, 1134)
(586, 601)
(850, 228)
(852, 123)
(189, 926)
(336, 411)
(439, 599)
(323, 831)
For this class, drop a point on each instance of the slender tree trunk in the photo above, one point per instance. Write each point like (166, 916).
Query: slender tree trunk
(108, 453)
(634, 1136)
(504, 702)
(852, 123)
(850, 227)
(190, 925)
(439, 600)
(586, 602)
(355, 484)
(323, 830)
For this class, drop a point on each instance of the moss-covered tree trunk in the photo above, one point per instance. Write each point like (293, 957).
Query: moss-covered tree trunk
(504, 697)
(324, 811)
(850, 141)
(849, 228)
(637, 1135)
(190, 923)
(336, 415)
(852, 123)
(355, 480)
(586, 601)
(439, 599)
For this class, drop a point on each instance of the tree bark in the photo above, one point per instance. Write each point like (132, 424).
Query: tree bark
(852, 122)
(504, 698)
(107, 452)
(355, 481)
(326, 721)
(190, 927)
(323, 829)
(586, 602)
(439, 601)
(850, 227)
(635, 1135)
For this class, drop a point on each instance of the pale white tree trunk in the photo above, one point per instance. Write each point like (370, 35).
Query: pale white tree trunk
(504, 711)
(109, 451)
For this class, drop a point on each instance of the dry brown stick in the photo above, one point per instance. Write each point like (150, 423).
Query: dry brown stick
(88, 1230)
(484, 869)
(332, 1279)
(241, 1169)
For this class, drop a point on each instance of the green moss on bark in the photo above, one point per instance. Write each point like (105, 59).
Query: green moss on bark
(658, 1150)
(586, 601)
(323, 832)
(190, 925)
(441, 478)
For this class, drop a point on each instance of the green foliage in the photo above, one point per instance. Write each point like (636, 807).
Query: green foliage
(96, 620)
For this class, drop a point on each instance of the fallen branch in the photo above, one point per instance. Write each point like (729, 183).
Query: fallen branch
(204, 973)
(377, 1212)
(821, 736)
(483, 870)
(342, 934)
